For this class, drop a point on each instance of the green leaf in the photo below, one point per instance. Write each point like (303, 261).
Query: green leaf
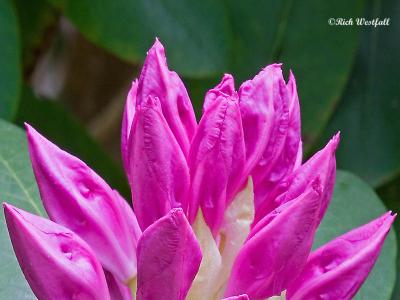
(390, 195)
(368, 115)
(18, 187)
(10, 74)
(353, 204)
(54, 122)
(195, 33)
(321, 57)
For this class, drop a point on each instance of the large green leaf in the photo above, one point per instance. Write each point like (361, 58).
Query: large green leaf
(320, 56)
(390, 195)
(353, 204)
(60, 127)
(10, 74)
(18, 187)
(195, 33)
(368, 115)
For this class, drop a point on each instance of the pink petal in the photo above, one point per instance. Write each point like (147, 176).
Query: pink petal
(157, 80)
(169, 257)
(283, 151)
(56, 263)
(216, 161)
(118, 290)
(338, 269)
(225, 88)
(278, 251)
(77, 198)
(158, 168)
(264, 106)
(127, 120)
(322, 165)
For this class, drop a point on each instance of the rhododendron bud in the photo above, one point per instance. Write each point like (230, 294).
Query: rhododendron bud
(158, 168)
(157, 80)
(277, 252)
(284, 149)
(338, 269)
(56, 263)
(216, 160)
(322, 165)
(79, 199)
(169, 257)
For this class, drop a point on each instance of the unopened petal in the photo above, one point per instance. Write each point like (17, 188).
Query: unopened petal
(127, 120)
(157, 80)
(216, 161)
(321, 165)
(169, 257)
(225, 88)
(339, 268)
(276, 253)
(79, 199)
(264, 106)
(158, 168)
(56, 263)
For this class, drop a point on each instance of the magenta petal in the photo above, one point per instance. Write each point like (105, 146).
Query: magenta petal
(321, 165)
(157, 80)
(158, 168)
(276, 253)
(264, 105)
(216, 161)
(225, 88)
(338, 269)
(284, 150)
(56, 263)
(77, 198)
(118, 290)
(169, 257)
(127, 120)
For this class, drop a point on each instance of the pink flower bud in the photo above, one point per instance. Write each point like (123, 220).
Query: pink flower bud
(276, 253)
(216, 160)
(79, 199)
(169, 257)
(339, 268)
(158, 168)
(56, 263)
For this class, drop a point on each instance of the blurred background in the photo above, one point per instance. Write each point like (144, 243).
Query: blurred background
(66, 67)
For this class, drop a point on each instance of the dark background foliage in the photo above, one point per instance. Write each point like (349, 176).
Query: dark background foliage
(66, 66)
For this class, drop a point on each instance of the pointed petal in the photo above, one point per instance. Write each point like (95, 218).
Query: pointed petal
(339, 268)
(56, 263)
(159, 172)
(322, 164)
(265, 113)
(79, 199)
(275, 254)
(216, 161)
(127, 120)
(118, 290)
(225, 88)
(283, 157)
(169, 257)
(157, 80)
